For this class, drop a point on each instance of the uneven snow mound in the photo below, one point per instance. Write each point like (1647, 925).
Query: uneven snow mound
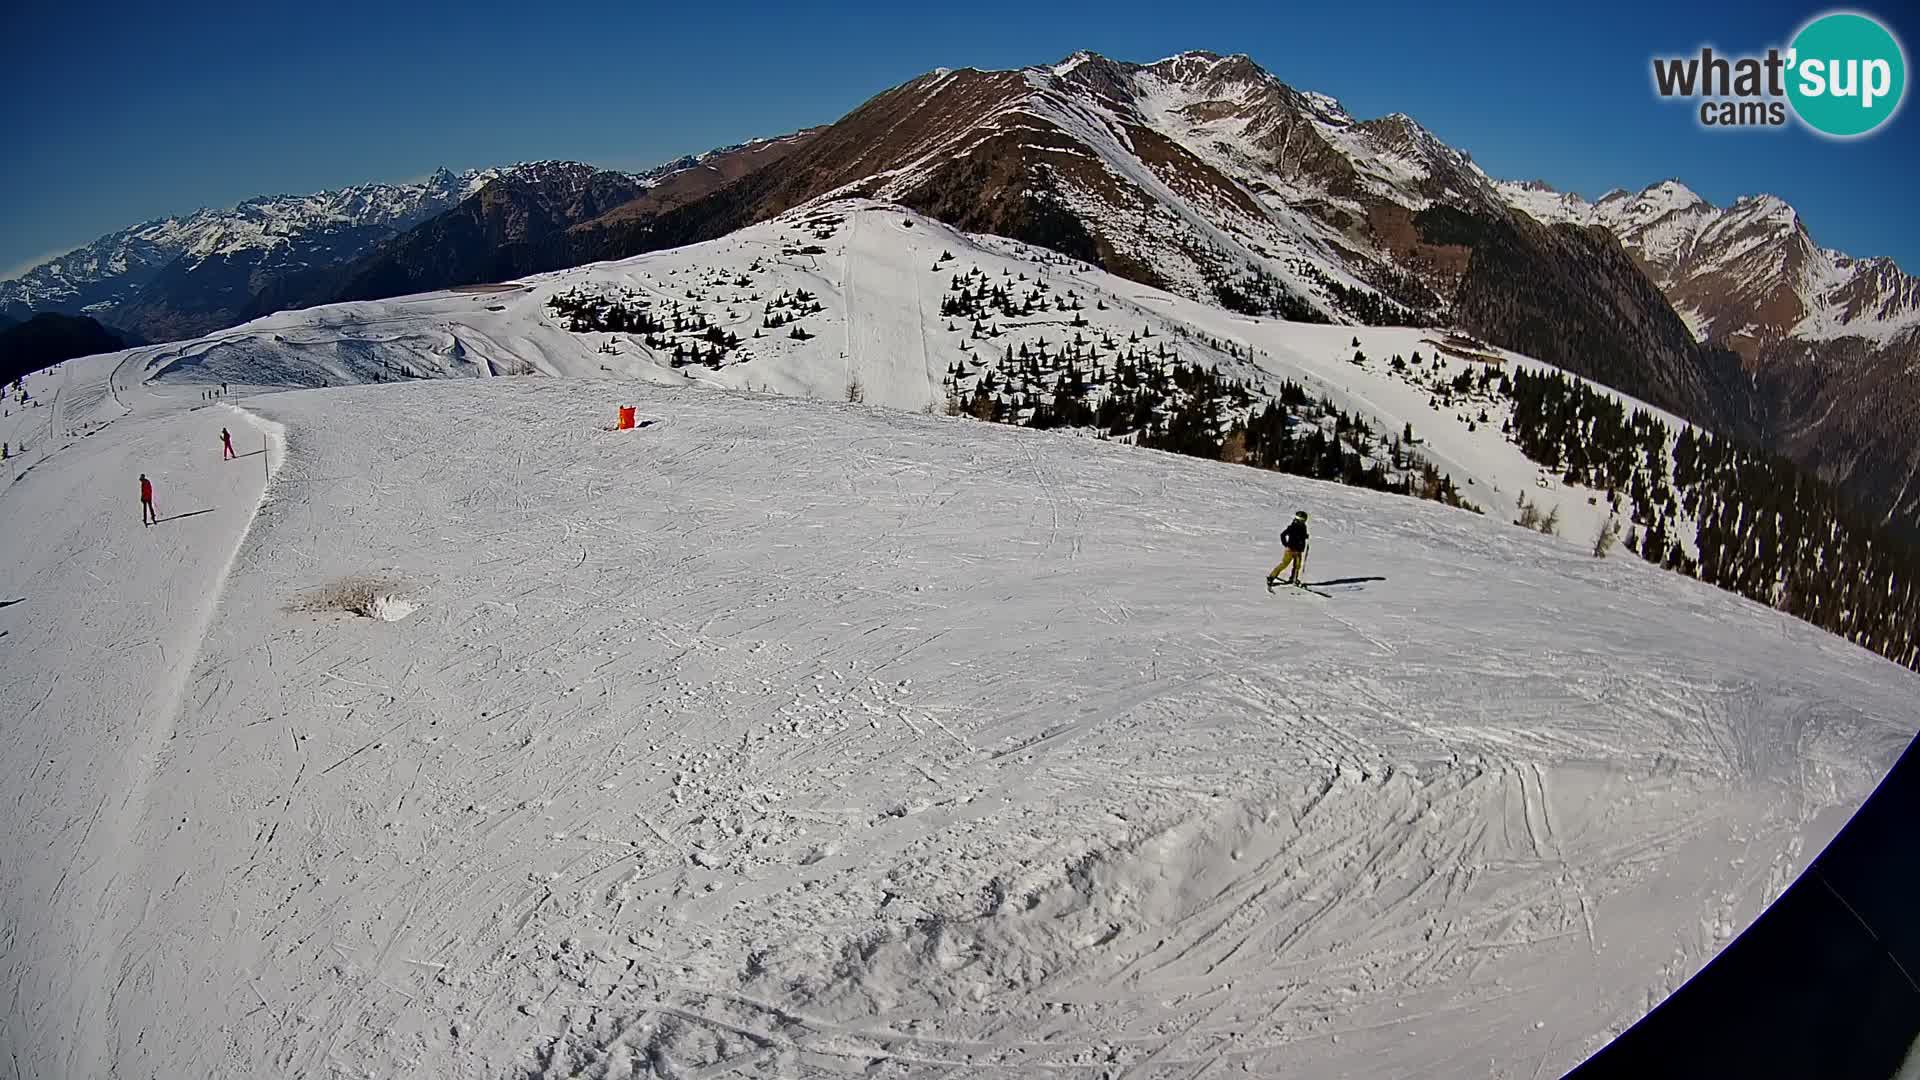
(390, 608)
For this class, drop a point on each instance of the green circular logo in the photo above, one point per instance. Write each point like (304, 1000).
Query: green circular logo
(1848, 74)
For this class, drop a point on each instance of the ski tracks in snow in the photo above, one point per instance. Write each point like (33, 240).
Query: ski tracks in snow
(849, 296)
(138, 602)
(943, 751)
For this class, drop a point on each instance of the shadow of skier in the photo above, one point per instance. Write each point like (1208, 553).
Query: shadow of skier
(1343, 581)
(188, 514)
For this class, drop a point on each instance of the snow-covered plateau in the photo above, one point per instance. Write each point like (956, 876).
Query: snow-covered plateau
(449, 731)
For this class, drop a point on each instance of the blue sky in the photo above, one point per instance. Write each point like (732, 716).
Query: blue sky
(122, 112)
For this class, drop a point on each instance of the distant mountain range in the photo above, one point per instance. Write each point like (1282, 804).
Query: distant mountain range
(1828, 343)
(180, 277)
(525, 221)
(1201, 173)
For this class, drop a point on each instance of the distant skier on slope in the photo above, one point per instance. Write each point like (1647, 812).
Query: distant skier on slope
(148, 516)
(226, 445)
(1294, 539)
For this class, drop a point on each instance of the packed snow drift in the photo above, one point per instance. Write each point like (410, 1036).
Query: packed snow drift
(449, 731)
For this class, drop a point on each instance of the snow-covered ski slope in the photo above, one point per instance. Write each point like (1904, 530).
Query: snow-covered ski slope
(878, 276)
(796, 738)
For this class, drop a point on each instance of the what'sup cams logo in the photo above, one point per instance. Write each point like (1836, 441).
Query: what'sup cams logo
(1843, 76)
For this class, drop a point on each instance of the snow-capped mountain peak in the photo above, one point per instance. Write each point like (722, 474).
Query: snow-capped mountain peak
(262, 235)
(1770, 208)
(332, 224)
(1747, 273)
(1072, 63)
(1201, 173)
(1671, 192)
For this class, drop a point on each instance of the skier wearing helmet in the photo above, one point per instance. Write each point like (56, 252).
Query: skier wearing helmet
(1295, 541)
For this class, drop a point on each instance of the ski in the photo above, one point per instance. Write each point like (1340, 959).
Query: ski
(1273, 585)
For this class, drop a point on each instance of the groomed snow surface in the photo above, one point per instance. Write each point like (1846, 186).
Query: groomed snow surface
(779, 737)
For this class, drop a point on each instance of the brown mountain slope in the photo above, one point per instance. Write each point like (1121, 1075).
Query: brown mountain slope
(1848, 409)
(689, 185)
(1208, 176)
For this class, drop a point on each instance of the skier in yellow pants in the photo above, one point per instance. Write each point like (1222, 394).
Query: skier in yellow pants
(1295, 541)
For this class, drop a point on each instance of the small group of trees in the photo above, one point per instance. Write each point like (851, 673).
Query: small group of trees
(586, 311)
(1254, 291)
(1369, 307)
(1745, 520)
(1160, 401)
(790, 307)
(1545, 522)
(682, 332)
(975, 296)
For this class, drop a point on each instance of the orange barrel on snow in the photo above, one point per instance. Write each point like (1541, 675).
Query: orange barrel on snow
(626, 417)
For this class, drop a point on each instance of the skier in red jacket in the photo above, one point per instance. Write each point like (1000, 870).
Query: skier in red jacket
(226, 445)
(148, 516)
